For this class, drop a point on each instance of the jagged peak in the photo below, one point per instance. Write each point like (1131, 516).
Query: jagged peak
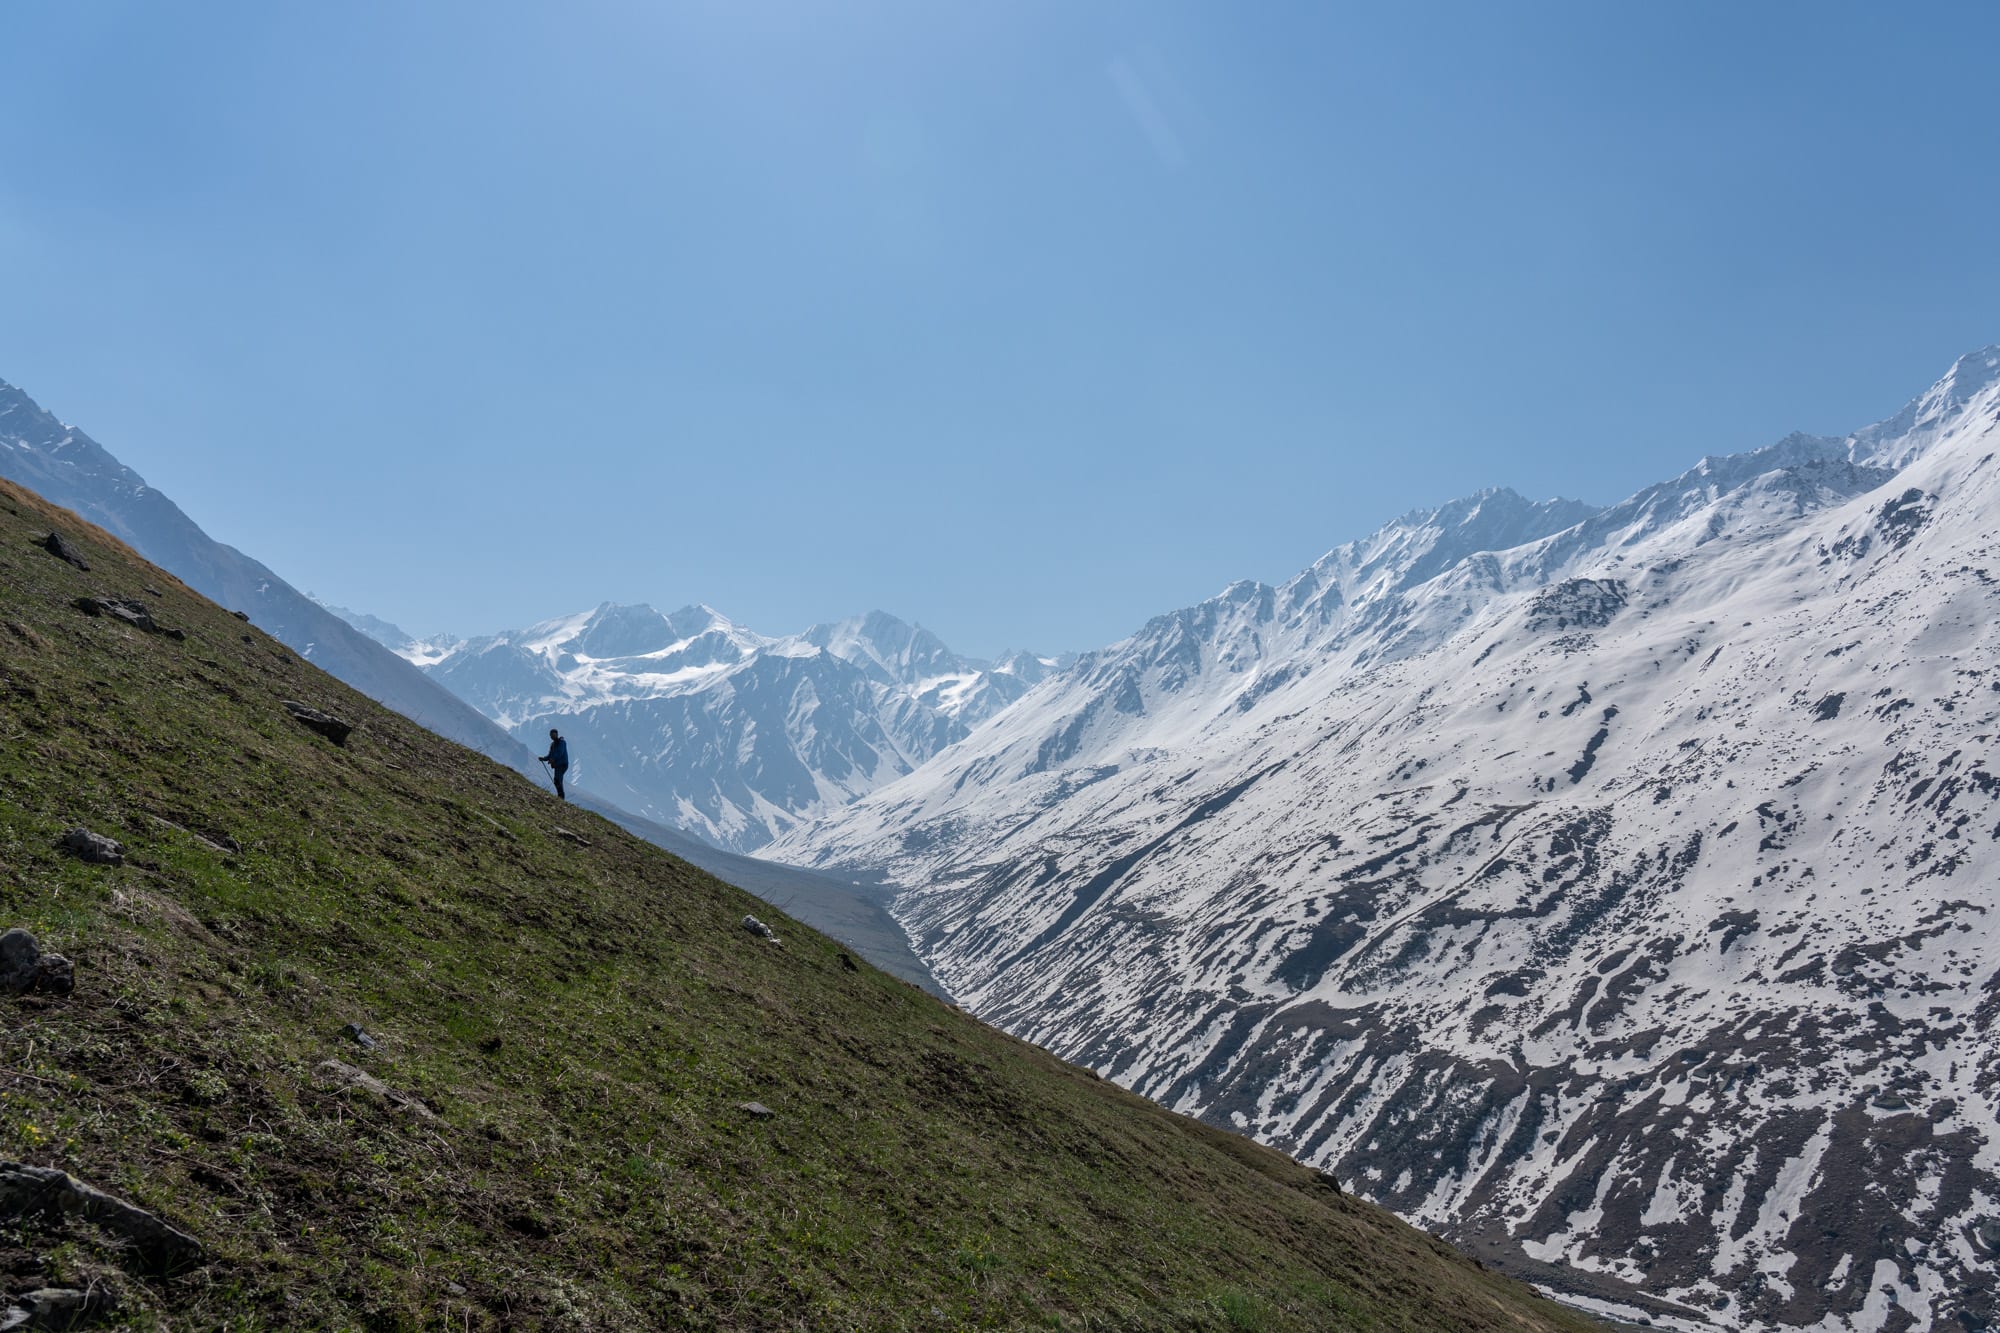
(1796, 448)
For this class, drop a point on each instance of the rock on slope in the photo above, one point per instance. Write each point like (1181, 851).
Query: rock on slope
(1623, 897)
(694, 720)
(395, 1039)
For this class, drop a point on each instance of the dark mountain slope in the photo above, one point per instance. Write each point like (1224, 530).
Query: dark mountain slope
(66, 466)
(569, 1022)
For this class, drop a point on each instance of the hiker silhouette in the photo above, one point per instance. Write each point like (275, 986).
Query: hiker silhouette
(557, 759)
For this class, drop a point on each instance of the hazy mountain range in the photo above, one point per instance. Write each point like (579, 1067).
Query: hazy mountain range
(697, 721)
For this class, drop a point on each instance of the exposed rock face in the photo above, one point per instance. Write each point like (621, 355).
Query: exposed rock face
(1576, 604)
(58, 1307)
(1622, 900)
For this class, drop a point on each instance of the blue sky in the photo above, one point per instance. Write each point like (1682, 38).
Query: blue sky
(1023, 320)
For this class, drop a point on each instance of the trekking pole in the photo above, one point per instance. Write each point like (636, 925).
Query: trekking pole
(550, 773)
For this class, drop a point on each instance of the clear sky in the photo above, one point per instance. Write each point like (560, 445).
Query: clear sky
(1022, 320)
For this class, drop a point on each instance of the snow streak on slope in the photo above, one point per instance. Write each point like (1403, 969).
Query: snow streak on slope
(1618, 897)
(694, 720)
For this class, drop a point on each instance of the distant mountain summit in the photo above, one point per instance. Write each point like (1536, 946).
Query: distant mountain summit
(689, 718)
(1612, 889)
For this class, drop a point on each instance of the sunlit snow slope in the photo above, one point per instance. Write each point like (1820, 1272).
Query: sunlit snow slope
(1608, 889)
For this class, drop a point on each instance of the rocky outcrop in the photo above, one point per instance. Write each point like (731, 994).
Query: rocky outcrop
(59, 1307)
(41, 1193)
(130, 612)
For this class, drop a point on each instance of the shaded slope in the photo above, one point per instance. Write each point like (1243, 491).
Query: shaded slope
(848, 911)
(582, 1016)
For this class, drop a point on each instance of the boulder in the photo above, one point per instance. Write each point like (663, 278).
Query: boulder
(20, 961)
(58, 546)
(355, 1033)
(93, 847)
(24, 967)
(759, 929)
(757, 1110)
(326, 724)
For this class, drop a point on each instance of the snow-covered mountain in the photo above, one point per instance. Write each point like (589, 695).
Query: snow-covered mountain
(694, 720)
(1614, 891)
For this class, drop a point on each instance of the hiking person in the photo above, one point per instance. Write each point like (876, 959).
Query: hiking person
(557, 759)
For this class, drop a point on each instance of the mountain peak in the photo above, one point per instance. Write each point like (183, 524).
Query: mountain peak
(622, 631)
(1975, 370)
(1929, 416)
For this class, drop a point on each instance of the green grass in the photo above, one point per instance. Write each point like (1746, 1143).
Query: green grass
(583, 1021)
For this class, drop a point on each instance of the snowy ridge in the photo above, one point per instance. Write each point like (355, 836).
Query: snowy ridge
(699, 722)
(1610, 890)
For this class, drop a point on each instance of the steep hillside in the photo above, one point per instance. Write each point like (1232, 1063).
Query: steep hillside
(62, 464)
(1622, 898)
(577, 1092)
(68, 468)
(701, 723)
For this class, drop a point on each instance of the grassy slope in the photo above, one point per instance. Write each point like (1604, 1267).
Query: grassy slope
(584, 1020)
